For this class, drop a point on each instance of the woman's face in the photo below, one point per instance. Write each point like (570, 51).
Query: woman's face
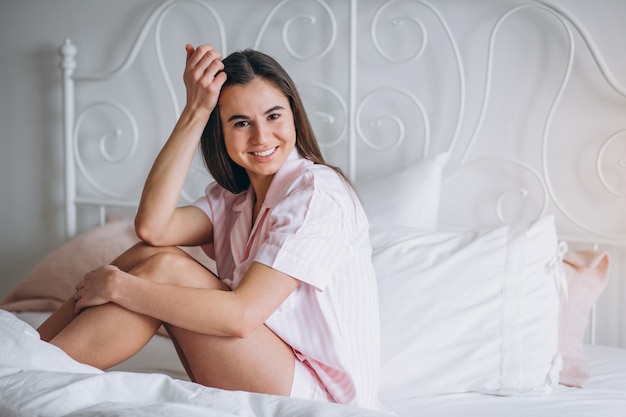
(258, 127)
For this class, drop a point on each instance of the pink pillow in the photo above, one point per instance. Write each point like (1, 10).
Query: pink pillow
(52, 280)
(587, 274)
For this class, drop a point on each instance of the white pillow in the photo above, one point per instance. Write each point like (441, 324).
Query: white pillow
(406, 198)
(468, 311)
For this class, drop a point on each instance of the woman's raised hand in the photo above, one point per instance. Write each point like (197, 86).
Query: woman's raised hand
(203, 78)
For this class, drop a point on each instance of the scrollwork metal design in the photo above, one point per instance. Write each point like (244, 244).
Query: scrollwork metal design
(157, 41)
(156, 20)
(399, 20)
(325, 117)
(497, 199)
(309, 19)
(115, 134)
(568, 23)
(395, 120)
(619, 162)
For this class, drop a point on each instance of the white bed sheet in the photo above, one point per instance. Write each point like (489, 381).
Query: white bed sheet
(605, 396)
(158, 356)
(38, 379)
(59, 386)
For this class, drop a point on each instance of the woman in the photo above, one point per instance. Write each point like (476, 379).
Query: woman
(294, 311)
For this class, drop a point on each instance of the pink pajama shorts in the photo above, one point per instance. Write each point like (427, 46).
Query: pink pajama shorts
(306, 385)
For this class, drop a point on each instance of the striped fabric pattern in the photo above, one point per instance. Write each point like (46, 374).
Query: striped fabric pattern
(313, 228)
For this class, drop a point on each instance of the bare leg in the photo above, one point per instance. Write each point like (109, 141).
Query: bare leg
(106, 335)
(61, 318)
(261, 362)
(57, 321)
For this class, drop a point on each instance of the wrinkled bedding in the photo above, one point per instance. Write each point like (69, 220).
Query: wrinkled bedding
(37, 379)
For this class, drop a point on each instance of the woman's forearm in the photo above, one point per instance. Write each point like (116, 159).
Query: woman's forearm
(166, 179)
(217, 312)
(155, 222)
(207, 311)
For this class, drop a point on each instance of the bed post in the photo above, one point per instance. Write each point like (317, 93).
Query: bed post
(352, 131)
(68, 65)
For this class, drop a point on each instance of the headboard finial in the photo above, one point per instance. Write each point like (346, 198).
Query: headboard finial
(68, 54)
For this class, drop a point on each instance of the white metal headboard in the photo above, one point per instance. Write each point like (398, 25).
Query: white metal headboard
(501, 85)
(351, 114)
(518, 91)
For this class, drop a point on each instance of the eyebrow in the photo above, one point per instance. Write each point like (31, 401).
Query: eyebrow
(242, 117)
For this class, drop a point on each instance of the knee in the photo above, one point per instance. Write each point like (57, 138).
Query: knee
(157, 264)
(175, 267)
(164, 260)
(135, 255)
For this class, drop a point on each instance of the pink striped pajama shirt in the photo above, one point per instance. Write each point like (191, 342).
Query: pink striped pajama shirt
(312, 227)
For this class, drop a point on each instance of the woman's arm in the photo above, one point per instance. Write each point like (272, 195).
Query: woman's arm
(235, 313)
(159, 221)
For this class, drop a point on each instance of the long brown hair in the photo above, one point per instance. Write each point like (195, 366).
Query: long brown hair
(241, 68)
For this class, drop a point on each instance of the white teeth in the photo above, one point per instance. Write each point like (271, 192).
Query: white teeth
(264, 153)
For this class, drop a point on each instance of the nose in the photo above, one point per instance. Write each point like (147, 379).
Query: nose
(259, 134)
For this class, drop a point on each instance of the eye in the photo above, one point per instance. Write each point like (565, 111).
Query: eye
(242, 123)
(273, 116)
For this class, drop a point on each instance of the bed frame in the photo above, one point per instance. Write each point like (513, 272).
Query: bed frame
(527, 96)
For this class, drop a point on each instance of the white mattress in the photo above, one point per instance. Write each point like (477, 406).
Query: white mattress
(605, 396)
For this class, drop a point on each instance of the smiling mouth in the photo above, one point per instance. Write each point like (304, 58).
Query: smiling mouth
(265, 153)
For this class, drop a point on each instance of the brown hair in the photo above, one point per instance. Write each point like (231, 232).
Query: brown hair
(241, 68)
